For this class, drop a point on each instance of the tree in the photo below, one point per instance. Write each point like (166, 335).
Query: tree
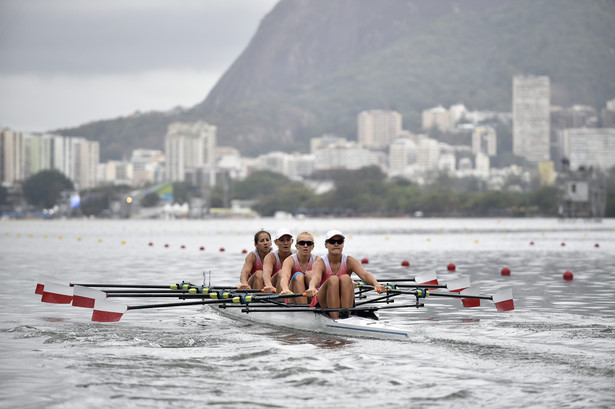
(43, 188)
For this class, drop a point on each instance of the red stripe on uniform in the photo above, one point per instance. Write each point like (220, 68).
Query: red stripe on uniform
(39, 289)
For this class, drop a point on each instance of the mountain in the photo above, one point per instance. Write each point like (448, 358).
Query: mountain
(313, 65)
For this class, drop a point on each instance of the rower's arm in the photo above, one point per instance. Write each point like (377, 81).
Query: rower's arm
(268, 264)
(355, 266)
(245, 271)
(317, 269)
(285, 273)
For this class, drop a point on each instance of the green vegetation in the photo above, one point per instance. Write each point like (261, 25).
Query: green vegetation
(365, 192)
(44, 188)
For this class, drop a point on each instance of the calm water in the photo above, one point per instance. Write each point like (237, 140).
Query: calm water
(557, 349)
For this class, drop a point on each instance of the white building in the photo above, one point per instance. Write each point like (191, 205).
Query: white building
(484, 140)
(337, 153)
(189, 146)
(447, 162)
(85, 161)
(147, 166)
(402, 153)
(11, 156)
(437, 117)
(428, 153)
(482, 165)
(531, 118)
(588, 147)
(378, 128)
(116, 172)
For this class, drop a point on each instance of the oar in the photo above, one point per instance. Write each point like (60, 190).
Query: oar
(425, 279)
(503, 299)
(453, 286)
(107, 311)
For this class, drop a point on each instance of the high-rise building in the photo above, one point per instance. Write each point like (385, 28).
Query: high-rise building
(585, 147)
(484, 140)
(402, 153)
(378, 128)
(428, 153)
(86, 158)
(11, 156)
(531, 117)
(189, 146)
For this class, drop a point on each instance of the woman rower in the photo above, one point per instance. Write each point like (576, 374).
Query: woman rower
(331, 284)
(252, 271)
(272, 263)
(297, 269)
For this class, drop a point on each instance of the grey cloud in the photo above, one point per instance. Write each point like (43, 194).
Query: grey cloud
(82, 37)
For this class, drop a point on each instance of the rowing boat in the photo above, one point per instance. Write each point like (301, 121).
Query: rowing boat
(313, 321)
(271, 309)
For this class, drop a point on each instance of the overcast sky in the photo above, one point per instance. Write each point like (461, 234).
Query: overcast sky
(67, 62)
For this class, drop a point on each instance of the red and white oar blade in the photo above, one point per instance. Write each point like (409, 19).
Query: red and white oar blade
(40, 284)
(86, 296)
(458, 285)
(57, 293)
(427, 279)
(503, 300)
(107, 311)
(471, 302)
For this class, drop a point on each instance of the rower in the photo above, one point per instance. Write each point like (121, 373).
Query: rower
(252, 272)
(272, 263)
(297, 269)
(331, 284)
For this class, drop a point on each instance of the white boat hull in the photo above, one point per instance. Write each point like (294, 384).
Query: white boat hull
(352, 326)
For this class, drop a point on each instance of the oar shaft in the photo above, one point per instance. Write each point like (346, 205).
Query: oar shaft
(477, 297)
(176, 304)
(168, 287)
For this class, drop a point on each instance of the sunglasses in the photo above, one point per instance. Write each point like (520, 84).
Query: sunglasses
(335, 241)
(305, 243)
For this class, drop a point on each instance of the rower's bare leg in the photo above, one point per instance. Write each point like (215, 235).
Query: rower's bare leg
(346, 291)
(308, 279)
(333, 295)
(297, 286)
(256, 280)
(275, 281)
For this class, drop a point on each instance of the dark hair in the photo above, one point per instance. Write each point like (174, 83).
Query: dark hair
(258, 233)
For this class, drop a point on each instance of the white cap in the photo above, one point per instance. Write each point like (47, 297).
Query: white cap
(282, 232)
(333, 233)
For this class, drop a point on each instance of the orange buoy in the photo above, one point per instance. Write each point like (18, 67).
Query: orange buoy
(405, 263)
(451, 267)
(505, 271)
(364, 260)
(568, 275)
